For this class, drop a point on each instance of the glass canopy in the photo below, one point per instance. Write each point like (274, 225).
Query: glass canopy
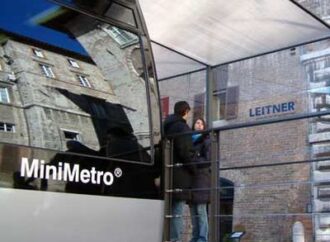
(222, 31)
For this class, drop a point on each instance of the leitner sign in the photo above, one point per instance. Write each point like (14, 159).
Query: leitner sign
(272, 109)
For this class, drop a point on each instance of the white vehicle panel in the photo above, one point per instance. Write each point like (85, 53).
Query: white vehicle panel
(33, 216)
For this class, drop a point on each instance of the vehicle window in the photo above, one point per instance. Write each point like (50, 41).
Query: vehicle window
(106, 100)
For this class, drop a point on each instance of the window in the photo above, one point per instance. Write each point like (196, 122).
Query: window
(221, 78)
(38, 53)
(220, 104)
(4, 96)
(47, 70)
(227, 103)
(84, 81)
(165, 101)
(227, 96)
(199, 105)
(73, 63)
(122, 37)
(6, 127)
(69, 135)
(232, 102)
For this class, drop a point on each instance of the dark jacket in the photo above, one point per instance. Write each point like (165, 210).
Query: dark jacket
(182, 153)
(202, 178)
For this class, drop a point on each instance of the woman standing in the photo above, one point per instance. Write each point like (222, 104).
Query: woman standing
(201, 180)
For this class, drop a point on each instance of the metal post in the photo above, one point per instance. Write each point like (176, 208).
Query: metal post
(214, 206)
(209, 97)
(168, 184)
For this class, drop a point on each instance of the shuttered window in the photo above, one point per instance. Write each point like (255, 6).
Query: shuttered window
(227, 103)
(47, 70)
(84, 81)
(221, 78)
(232, 95)
(165, 106)
(199, 106)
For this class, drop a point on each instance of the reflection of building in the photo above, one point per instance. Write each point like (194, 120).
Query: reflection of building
(40, 89)
(276, 203)
(316, 60)
(122, 61)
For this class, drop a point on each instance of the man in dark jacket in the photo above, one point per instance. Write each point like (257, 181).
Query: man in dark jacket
(182, 153)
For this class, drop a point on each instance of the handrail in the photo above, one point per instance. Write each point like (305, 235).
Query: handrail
(216, 188)
(292, 117)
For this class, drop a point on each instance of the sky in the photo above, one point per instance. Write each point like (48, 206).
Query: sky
(17, 16)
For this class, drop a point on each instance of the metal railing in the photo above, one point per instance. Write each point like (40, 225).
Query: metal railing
(214, 206)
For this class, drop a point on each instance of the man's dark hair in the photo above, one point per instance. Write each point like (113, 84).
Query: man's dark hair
(181, 107)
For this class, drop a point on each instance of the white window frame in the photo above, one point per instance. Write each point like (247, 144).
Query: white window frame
(4, 96)
(84, 81)
(122, 37)
(38, 53)
(73, 63)
(7, 127)
(47, 70)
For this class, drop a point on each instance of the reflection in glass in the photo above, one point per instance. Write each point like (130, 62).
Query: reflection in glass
(67, 112)
(102, 103)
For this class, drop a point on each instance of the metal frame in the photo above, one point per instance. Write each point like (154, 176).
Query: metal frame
(237, 60)
(180, 53)
(168, 184)
(214, 214)
(214, 234)
(310, 13)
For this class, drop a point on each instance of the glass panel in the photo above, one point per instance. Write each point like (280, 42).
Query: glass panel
(121, 13)
(186, 87)
(270, 166)
(4, 97)
(105, 9)
(279, 172)
(106, 123)
(170, 63)
(223, 31)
